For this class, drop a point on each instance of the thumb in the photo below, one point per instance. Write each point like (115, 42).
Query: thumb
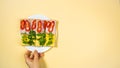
(36, 55)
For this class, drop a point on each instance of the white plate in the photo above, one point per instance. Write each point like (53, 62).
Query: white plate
(39, 49)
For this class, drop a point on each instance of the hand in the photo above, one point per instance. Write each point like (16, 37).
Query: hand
(32, 59)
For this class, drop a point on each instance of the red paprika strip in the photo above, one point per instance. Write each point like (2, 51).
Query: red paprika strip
(22, 24)
(51, 26)
(27, 25)
(33, 24)
(39, 28)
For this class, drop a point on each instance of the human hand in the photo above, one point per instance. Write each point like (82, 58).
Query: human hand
(32, 59)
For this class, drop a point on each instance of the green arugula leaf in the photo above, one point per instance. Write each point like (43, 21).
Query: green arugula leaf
(49, 43)
(32, 33)
(42, 41)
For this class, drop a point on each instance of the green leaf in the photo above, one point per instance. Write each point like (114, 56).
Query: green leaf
(49, 43)
(25, 42)
(39, 34)
(31, 42)
(50, 34)
(32, 32)
(50, 38)
(42, 41)
(30, 36)
(43, 35)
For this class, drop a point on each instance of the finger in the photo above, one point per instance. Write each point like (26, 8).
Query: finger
(41, 54)
(27, 54)
(32, 55)
(36, 56)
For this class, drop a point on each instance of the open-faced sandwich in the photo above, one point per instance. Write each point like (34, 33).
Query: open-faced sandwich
(37, 32)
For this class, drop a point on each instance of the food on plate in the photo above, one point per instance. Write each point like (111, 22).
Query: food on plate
(37, 32)
(27, 25)
(22, 24)
(33, 24)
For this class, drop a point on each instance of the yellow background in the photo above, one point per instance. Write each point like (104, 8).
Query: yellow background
(89, 33)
